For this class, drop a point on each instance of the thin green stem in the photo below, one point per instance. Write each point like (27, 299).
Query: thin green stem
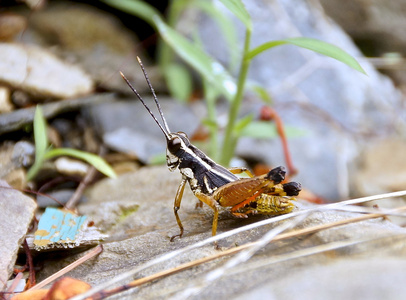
(210, 96)
(165, 53)
(33, 171)
(230, 140)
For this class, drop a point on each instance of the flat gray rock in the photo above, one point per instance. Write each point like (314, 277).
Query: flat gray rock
(16, 213)
(137, 212)
(373, 279)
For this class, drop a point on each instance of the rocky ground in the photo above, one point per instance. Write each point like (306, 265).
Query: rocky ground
(67, 57)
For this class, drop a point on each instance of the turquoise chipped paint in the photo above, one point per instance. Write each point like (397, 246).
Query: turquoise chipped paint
(58, 228)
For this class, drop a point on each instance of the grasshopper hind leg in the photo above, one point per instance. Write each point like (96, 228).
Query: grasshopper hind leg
(240, 170)
(214, 206)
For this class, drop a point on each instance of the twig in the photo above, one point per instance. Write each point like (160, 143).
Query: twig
(91, 173)
(68, 268)
(31, 279)
(13, 286)
(267, 114)
(73, 201)
(32, 192)
(306, 252)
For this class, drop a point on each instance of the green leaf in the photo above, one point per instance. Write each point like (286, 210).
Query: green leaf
(210, 69)
(314, 45)
(238, 9)
(262, 93)
(179, 81)
(93, 159)
(264, 47)
(137, 8)
(41, 142)
(243, 123)
(259, 129)
(210, 124)
(40, 133)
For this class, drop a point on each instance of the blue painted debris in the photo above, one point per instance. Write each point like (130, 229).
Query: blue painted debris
(60, 228)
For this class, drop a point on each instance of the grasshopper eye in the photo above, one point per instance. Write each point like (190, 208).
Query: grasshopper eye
(182, 134)
(174, 145)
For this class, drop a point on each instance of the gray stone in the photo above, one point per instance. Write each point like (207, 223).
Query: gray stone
(147, 194)
(379, 21)
(5, 100)
(23, 154)
(17, 119)
(381, 168)
(377, 27)
(127, 126)
(373, 279)
(40, 73)
(62, 196)
(143, 234)
(16, 213)
(11, 168)
(93, 39)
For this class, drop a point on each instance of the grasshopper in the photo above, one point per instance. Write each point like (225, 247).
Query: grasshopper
(215, 185)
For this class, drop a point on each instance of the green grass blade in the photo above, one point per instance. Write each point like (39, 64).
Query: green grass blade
(242, 123)
(179, 81)
(261, 92)
(93, 159)
(210, 69)
(327, 50)
(264, 47)
(40, 133)
(41, 142)
(141, 9)
(238, 9)
(314, 45)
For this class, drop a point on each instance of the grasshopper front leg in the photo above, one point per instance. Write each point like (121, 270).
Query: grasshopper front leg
(202, 197)
(176, 207)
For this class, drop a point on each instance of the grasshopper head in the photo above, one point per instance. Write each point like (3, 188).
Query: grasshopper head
(177, 143)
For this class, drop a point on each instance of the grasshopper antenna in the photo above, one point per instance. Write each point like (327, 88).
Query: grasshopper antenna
(164, 130)
(153, 94)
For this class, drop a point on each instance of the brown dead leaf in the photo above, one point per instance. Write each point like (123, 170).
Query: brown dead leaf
(31, 295)
(63, 289)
